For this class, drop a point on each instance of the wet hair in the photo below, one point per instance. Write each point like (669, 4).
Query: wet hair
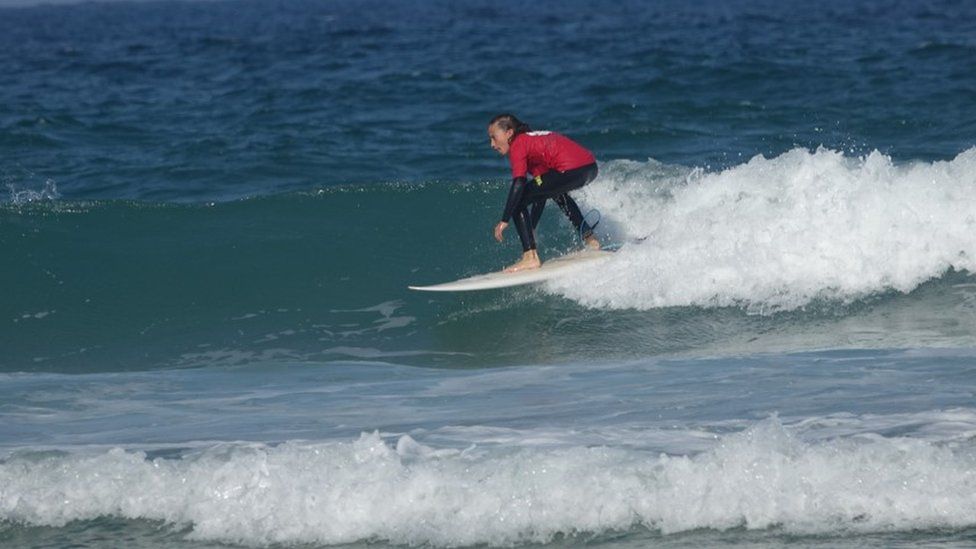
(510, 122)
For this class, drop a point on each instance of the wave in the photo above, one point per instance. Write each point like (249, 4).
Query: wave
(779, 233)
(409, 493)
(121, 285)
(771, 234)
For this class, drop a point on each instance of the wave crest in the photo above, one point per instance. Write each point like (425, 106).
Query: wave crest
(778, 233)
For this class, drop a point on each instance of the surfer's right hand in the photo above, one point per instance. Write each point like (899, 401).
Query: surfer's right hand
(498, 230)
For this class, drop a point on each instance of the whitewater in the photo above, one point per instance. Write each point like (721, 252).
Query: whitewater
(408, 493)
(779, 233)
(665, 448)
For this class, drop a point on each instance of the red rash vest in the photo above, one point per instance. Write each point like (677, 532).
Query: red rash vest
(538, 152)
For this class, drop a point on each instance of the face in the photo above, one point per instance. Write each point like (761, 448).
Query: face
(499, 138)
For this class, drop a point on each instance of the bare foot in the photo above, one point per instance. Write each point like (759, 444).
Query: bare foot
(530, 260)
(523, 265)
(592, 243)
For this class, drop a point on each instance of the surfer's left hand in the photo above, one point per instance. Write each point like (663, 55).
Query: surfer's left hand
(498, 230)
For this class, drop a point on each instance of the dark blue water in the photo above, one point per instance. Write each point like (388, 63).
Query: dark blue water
(218, 100)
(210, 213)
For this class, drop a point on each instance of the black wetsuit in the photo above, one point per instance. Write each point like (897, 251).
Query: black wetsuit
(527, 198)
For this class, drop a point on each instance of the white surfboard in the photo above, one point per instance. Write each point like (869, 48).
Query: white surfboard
(560, 266)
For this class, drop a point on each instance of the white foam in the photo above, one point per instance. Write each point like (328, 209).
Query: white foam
(412, 494)
(774, 234)
(21, 196)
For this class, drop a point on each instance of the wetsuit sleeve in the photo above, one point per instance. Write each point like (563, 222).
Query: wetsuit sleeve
(514, 197)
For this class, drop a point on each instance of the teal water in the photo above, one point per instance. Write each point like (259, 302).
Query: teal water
(210, 213)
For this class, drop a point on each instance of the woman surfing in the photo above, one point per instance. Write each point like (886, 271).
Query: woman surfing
(544, 165)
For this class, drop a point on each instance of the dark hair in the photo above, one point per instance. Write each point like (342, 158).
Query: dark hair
(510, 122)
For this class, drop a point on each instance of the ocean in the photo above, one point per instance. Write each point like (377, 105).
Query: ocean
(210, 212)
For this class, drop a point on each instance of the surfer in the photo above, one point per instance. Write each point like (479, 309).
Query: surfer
(544, 165)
